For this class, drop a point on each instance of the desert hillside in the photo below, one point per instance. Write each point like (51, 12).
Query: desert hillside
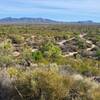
(49, 62)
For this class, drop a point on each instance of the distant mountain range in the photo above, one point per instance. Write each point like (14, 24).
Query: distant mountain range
(25, 20)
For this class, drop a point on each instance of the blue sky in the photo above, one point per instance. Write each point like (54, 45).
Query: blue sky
(62, 10)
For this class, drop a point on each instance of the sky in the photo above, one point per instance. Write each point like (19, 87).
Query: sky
(60, 10)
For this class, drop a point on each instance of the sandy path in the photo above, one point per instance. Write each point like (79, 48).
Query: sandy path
(82, 37)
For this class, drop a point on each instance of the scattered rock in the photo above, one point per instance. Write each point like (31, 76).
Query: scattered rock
(97, 79)
(16, 54)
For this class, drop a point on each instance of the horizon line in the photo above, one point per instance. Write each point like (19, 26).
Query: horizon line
(88, 20)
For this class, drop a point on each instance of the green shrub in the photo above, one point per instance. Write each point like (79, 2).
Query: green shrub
(6, 61)
(51, 51)
(6, 50)
(6, 47)
(36, 56)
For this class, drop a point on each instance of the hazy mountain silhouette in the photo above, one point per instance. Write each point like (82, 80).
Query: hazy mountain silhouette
(25, 20)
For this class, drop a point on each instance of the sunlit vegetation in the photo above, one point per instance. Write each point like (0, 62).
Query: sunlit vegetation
(43, 84)
(35, 64)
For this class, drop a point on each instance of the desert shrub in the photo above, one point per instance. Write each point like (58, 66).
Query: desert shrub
(80, 91)
(36, 56)
(48, 52)
(26, 53)
(43, 84)
(95, 94)
(16, 38)
(81, 43)
(84, 65)
(25, 57)
(6, 61)
(13, 72)
(51, 50)
(6, 47)
(6, 50)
